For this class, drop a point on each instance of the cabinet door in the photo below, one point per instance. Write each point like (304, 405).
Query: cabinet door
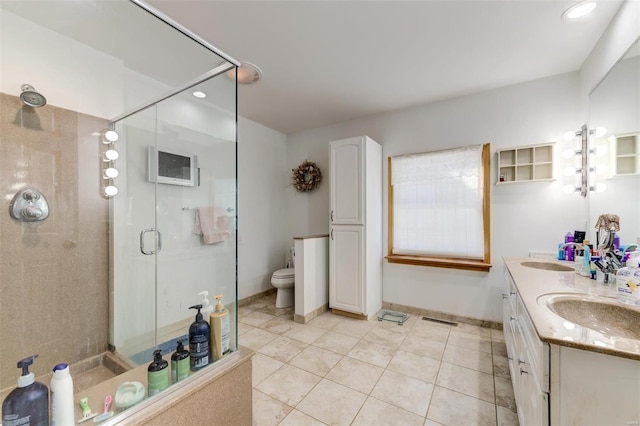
(347, 181)
(346, 268)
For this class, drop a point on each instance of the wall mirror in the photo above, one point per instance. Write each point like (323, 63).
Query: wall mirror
(615, 105)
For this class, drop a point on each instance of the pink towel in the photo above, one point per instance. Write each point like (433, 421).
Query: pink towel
(213, 224)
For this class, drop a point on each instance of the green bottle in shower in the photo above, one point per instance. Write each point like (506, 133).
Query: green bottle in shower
(157, 374)
(180, 363)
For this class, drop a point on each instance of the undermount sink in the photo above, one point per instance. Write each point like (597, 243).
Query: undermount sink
(607, 317)
(548, 266)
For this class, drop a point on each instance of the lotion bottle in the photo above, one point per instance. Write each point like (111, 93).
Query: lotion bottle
(628, 281)
(220, 330)
(199, 336)
(62, 406)
(29, 402)
(180, 363)
(157, 374)
(207, 307)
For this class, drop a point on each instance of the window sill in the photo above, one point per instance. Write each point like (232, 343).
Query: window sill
(469, 265)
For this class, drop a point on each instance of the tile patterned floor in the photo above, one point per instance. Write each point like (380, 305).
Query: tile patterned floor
(341, 371)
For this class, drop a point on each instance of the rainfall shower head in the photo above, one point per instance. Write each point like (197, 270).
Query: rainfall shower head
(30, 97)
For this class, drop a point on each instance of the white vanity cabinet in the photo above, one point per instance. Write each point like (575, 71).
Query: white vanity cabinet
(528, 359)
(355, 234)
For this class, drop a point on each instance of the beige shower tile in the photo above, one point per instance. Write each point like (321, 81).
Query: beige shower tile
(470, 358)
(467, 381)
(307, 334)
(507, 417)
(262, 367)
(289, 384)
(256, 318)
(452, 408)
(504, 393)
(385, 336)
(416, 366)
(327, 321)
(353, 327)
(501, 367)
(279, 325)
(429, 331)
(423, 346)
(316, 360)
(256, 338)
(268, 411)
(372, 353)
(336, 342)
(403, 391)
(298, 418)
(470, 341)
(283, 349)
(379, 413)
(355, 374)
(332, 403)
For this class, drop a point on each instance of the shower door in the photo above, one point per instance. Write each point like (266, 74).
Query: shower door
(179, 161)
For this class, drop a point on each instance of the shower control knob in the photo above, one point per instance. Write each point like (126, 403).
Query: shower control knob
(29, 205)
(31, 212)
(30, 195)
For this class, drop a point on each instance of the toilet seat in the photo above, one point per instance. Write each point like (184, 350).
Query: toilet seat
(284, 273)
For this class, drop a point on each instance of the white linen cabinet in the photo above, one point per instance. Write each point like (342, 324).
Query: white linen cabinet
(355, 229)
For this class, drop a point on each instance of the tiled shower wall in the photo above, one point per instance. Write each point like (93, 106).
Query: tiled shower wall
(54, 292)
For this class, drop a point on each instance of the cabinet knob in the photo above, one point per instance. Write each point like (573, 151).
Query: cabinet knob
(512, 319)
(331, 215)
(505, 296)
(523, 372)
(521, 361)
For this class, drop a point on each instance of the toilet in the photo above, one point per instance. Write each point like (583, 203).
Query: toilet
(283, 280)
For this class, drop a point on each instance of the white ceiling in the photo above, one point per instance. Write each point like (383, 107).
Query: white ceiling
(329, 61)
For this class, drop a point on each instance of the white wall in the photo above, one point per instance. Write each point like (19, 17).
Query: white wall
(262, 179)
(525, 217)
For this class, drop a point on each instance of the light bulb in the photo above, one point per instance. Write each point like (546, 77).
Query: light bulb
(199, 94)
(568, 136)
(579, 10)
(599, 187)
(111, 155)
(110, 190)
(600, 150)
(111, 173)
(569, 189)
(110, 136)
(570, 153)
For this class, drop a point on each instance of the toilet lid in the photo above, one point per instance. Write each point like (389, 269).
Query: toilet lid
(284, 273)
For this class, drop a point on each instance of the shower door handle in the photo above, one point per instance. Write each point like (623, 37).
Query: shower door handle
(158, 240)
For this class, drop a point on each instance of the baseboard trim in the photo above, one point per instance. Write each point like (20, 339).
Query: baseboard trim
(311, 315)
(442, 315)
(248, 300)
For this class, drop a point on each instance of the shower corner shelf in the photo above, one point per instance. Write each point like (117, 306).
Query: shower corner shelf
(531, 163)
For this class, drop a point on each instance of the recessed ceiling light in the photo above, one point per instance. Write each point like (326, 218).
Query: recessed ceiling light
(199, 94)
(248, 73)
(579, 10)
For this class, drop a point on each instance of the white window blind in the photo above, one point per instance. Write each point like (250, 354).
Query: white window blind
(438, 203)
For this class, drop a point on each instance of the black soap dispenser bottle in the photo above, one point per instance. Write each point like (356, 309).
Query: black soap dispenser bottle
(199, 341)
(157, 374)
(29, 402)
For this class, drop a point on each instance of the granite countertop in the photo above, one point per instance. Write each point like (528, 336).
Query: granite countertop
(533, 283)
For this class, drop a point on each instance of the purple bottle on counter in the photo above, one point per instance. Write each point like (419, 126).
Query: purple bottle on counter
(569, 250)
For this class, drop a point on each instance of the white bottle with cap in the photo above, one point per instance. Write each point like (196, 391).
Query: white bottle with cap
(207, 306)
(628, 281)
(62, 407)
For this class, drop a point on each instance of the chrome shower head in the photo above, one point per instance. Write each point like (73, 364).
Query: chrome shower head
(30, 97)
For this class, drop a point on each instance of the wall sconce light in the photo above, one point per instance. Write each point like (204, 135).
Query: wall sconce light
(584, 153)
(109, 156)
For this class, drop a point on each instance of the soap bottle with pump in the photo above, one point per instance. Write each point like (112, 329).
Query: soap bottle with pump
(29, 402)
(199, 336)
(207, 306)
(157, 374)
(628, 281)
(62, 406)
(220, 330)
(180, 363)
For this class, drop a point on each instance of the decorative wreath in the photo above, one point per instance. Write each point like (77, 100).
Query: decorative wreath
(306, 176)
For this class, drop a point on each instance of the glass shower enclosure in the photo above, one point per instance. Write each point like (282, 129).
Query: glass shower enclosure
(109, 273)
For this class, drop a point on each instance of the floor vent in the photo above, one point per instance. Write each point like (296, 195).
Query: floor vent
(454, 324)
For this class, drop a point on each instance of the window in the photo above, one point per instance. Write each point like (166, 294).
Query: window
(439, 208)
